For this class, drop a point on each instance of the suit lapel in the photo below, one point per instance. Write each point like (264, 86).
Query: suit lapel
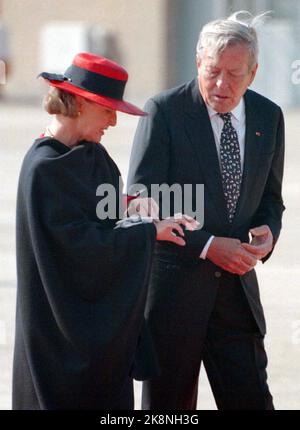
(199, 131)
(253, 143)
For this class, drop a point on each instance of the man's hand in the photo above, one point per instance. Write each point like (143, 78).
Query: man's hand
(168, 230)
(171, 229)
(230, 255)
(261, 243)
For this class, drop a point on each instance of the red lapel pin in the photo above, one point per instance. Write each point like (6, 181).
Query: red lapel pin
(258, 133)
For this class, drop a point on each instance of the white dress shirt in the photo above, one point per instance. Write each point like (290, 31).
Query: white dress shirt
(238, 120)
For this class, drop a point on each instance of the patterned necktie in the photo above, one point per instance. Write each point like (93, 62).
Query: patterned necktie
(230, 159)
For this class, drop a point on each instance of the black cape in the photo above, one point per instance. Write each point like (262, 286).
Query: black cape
(82, 284)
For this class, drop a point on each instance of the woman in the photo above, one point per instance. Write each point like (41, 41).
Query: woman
(82, 281)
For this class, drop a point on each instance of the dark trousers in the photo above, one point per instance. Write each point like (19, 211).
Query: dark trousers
(126, 399)
(232, 352)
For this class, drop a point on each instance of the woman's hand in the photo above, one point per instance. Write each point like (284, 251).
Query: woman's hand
(187, 221)
(144, 206)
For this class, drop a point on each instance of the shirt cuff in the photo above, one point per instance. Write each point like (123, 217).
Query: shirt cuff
(205, 249)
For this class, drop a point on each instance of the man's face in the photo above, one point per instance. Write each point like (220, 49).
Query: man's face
(224, 80)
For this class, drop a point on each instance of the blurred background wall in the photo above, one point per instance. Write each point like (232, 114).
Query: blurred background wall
(154, 39)
(134, 29)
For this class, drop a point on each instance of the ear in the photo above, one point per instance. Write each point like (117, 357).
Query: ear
(198, 61)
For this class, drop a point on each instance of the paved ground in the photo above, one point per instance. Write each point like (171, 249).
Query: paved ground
(279, 278)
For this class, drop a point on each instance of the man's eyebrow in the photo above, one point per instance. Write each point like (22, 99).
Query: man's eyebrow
(236, 69)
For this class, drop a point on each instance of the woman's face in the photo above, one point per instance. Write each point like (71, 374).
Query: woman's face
(94, 119)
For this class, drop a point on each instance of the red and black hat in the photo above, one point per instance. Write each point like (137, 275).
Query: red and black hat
(97, 79)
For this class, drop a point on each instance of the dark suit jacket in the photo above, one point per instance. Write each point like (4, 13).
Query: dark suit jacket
(175, 144)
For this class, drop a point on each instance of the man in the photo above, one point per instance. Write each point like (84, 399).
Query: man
(203, 303)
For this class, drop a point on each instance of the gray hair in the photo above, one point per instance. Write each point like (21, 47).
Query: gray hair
(238, 28)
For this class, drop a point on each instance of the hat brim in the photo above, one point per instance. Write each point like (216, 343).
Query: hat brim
(119, 105)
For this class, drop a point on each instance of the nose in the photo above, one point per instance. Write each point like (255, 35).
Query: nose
(113, 118)
(222, 81)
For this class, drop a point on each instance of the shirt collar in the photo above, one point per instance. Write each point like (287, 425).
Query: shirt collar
(237, 112)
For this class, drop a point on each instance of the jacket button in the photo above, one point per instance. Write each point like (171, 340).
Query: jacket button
(218, 274)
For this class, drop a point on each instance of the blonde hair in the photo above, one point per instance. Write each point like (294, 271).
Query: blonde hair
(60, 102)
